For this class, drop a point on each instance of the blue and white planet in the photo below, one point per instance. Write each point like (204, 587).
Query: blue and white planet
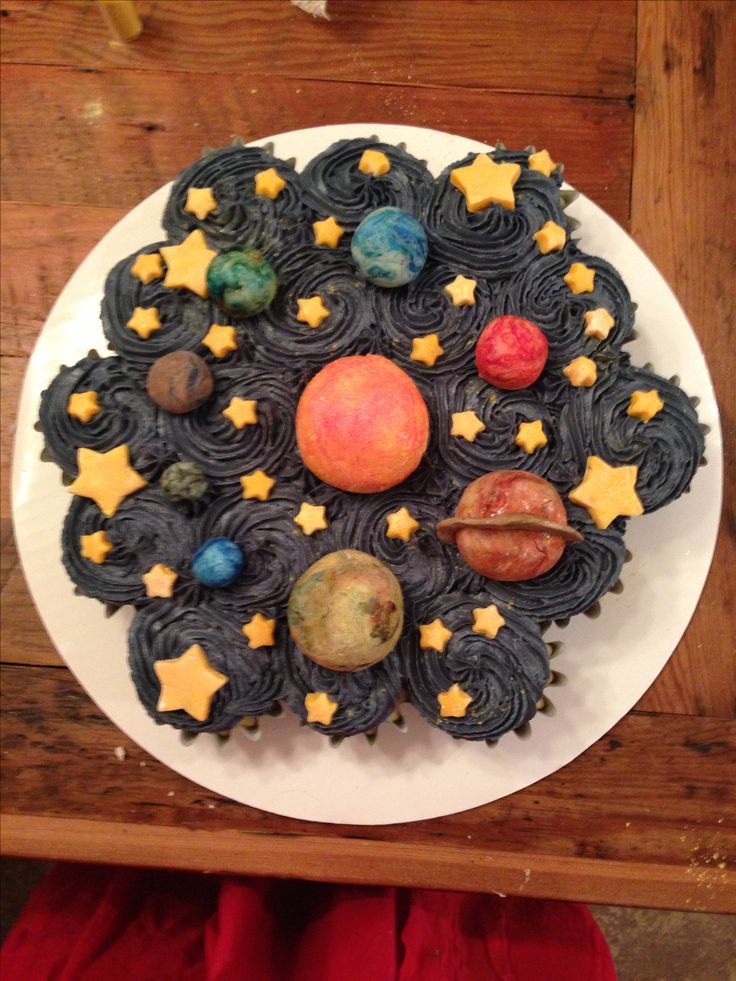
(390, 247)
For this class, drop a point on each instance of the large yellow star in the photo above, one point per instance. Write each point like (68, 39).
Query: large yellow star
(580, 278)
(487, 620)
(257, 485)
(145, 321)
(159, 581)
(607, 492)
(466, 424)
(189, 683)
(242, 412)
(311, 518)
(462, 291)
(531, 435)
(311, 311)
(645, 405)
(106, 478)
(269, 183)
(542, 162)
(550, 238)
(401, 524)
(95, 547)
(260, 631)
(598, 323)
(426, 349)
(200, 201)
(186, 264)
(434, 636)
(454, 702)
(374, 162)
(320, 707)
(327, 232)
(221, 340)
(581, 372)
(485, 182)
(83, 406)
(147, 267)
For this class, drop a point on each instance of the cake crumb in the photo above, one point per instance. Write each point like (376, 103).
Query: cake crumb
(142, 763)
(120, 753)
(211, 807)
(171, 793)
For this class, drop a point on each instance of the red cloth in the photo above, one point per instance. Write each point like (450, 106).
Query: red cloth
(89, 923)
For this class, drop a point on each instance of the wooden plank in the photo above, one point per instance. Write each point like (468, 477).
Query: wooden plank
(566, 48)
(683, 207)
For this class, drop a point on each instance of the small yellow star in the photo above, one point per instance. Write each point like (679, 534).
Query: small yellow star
(598, 323)
(579, 278)
(260, 631)
(147, 267)
(434, 636)
(484, 182)
(531, 435)
(320, 707)
(454, 702)
(550, 238)
(401, 524)
(257, 485)
(487, 620)
(83, 406)
(96, 546)
(189, 683)
(462, 291)
(221, 340)
(106, 478)
(645, 405)
(607, 492)
(186, 264)
(241, 412)
(581, 372)
(467, 425)
(312, 310)
(159, 581)
(144, 321)
(374, 162)
(327, 232)
(200, 201)
(542, 162)
(311, 518)
(426, 349)
(269, 183)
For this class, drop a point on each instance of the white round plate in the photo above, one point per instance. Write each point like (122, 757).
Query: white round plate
(608, 662)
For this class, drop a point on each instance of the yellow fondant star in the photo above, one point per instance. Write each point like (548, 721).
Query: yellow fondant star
(189, 683)
(487, 620)
(200, 201)
(581, 372)
(434, 636)
(607, 492)
(257, 485)
(542, 162)
(454, 702)
(598, 323)
(401, 524)
(531, 435)
(159, 581)
(221, 340)
(462, 291)
(83, 406)
(96, 546)
(645, 405)
(426, 349)
(311, 311)
(260, 631)
(579, 278)
(106, 478)
(241, 412)
(327, 232)
(467, 425)
(375, 163)
(320, 707)
(186, 264)
(311, 518)
(484, 182)
(550, 238)
(147, 267)
(269, 183)
(145, 321)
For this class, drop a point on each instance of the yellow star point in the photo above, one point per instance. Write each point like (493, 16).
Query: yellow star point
(320, 707)
(188, 682)
(580, 278)
(531, 435)
(551, 237)
(485, 182)
(106, 478)
(221, 340)
(147, 267)
(200, 201)
(327, 232)
(242, 412)
(260, 631)
(466, 424)
(608, 492)
(426, 349)
(145, 321)
(581, 372)
(374, 162)
(462, 291)
(454, 702)
(487, 620)
(401, 524)
(95, 547)
(186, 264)
(83, 406)
(311, 518)
(598, 323)
(159, 581)
(542, 162)
(645, 405)
(434, 636)
(269, 183)
(257, 485)
(311, 311)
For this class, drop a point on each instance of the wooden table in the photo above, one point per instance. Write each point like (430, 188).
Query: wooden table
(635, 100)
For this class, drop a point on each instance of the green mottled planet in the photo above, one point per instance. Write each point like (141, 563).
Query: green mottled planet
(241, 282)
(346, 611)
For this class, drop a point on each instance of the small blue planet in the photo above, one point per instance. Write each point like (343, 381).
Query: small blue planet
(218, 562)
(390, 247)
